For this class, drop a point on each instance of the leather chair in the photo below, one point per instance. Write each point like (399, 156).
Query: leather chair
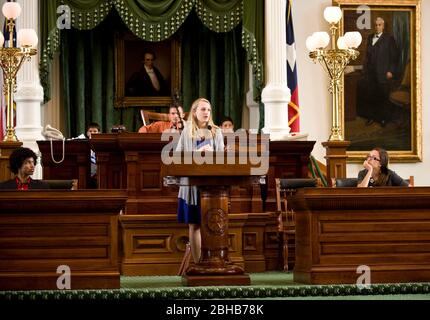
(285, 189)
(345, 182)
(63, 184)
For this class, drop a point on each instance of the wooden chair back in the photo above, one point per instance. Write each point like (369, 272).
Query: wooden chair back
(410, 181)
(286, 188)
(151, 116)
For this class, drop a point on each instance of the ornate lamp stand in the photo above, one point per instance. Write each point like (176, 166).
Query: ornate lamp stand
(11, 59)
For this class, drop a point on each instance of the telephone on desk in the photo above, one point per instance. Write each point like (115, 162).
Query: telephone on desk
(50, 133)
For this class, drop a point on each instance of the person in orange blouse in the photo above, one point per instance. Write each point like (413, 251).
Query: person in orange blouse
(160, 126)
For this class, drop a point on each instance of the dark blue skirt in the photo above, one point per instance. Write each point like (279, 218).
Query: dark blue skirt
(189, 213)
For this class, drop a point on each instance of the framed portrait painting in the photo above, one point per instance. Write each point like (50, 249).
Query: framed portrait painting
(147, 73)
(381, 102)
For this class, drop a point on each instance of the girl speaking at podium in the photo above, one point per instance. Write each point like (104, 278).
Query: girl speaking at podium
(199, 134)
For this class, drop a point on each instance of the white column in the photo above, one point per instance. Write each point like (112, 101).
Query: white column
(276, 93)
(254, 110)
(29, 93)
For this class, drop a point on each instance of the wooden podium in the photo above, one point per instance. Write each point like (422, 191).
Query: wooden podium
(214, 182)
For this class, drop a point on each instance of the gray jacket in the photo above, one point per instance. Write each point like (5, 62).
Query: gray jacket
(187, 143)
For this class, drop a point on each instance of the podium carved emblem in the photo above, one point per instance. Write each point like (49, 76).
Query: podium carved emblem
(216, 221)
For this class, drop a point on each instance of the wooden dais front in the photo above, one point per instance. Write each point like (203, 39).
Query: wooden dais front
(340, 231)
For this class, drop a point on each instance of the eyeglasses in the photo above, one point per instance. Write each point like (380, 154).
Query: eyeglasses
(373, 158)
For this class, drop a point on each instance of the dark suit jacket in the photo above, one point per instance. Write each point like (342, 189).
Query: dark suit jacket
(140, 84)
(382, 57)
(34, 184)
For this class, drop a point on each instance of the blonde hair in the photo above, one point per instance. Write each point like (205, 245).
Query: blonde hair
(192, 121)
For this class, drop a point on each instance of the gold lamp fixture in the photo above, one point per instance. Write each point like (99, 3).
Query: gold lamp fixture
(334, 60)
(11, 59)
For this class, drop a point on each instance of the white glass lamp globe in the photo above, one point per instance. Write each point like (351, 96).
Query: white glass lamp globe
(353, 39)
(321, 39)
(310, 43)
(332, 14)
(11, 10)
(27, 38)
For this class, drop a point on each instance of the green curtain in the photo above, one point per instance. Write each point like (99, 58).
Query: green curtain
(87, 59)
(213, 67)
(151, 20)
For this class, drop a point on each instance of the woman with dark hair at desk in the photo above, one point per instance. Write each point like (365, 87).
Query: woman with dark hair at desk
(199, 134)
(376, 172)
(22, 162)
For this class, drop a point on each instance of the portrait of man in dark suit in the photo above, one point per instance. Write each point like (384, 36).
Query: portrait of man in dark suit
(380, 69)
(148, 81)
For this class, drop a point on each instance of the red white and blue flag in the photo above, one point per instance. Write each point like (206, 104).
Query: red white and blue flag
(293, 105)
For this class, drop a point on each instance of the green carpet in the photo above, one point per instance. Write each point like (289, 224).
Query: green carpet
(267, 285)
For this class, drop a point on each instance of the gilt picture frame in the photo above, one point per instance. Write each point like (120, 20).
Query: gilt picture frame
(381, 100)
(131, 79)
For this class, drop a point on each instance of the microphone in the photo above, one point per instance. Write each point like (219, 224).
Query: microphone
(213, 138)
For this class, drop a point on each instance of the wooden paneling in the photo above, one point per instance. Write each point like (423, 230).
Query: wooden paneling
(41, 230)
(76, 164)
(132, 161)
(155, 244)
(6, 148)
(253, 242)
(387, 229)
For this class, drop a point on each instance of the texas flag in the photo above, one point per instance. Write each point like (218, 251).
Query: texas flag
(293, 105)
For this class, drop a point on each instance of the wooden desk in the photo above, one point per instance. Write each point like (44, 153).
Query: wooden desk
(339, 229)
(42, 230)
(153, 242)
(132, 161)
(76, 164)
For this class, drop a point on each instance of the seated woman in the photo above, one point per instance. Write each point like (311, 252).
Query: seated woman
(376, 172)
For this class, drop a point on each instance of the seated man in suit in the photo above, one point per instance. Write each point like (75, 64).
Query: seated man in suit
(22, 162)
(160, 126)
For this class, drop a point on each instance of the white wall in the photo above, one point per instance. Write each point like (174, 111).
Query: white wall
(315, 100)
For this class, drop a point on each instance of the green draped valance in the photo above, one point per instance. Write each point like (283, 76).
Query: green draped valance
(154, 20)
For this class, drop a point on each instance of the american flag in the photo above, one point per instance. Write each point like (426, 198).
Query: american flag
(293, 105)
